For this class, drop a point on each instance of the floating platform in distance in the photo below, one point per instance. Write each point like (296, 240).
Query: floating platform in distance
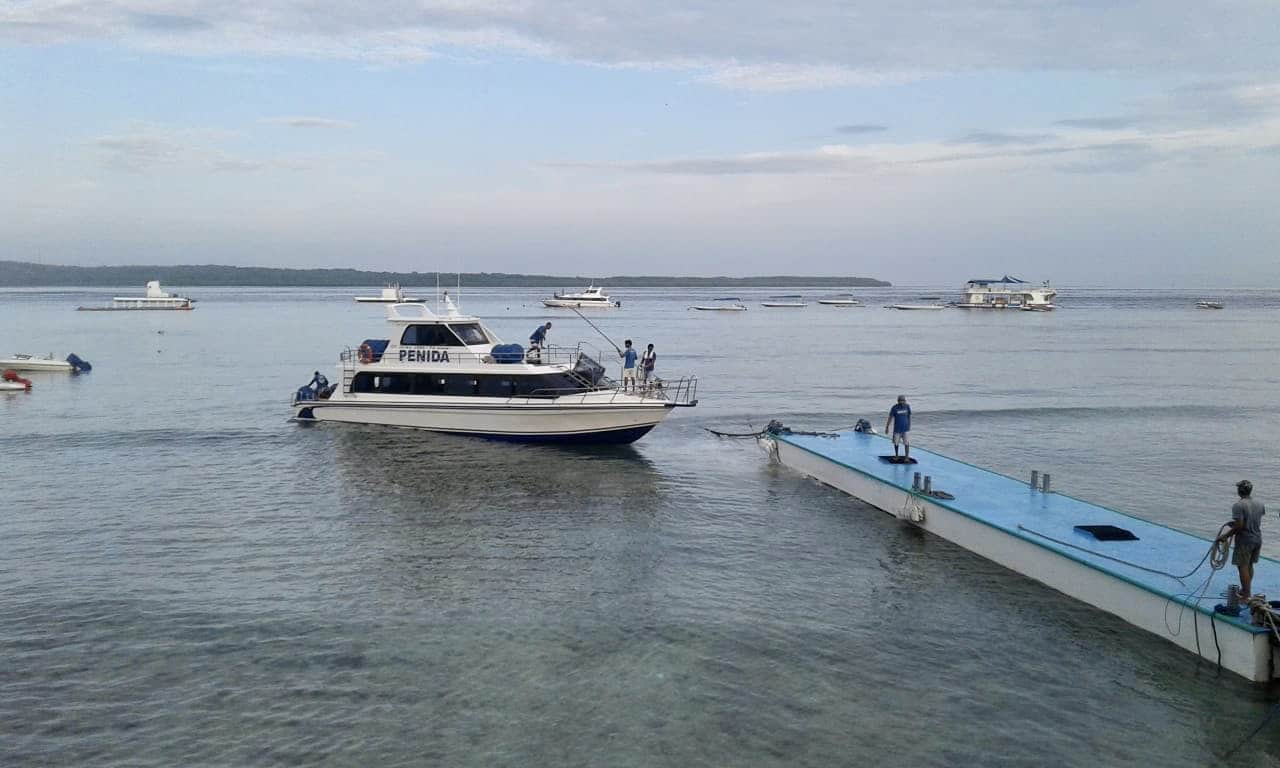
(1038, 535)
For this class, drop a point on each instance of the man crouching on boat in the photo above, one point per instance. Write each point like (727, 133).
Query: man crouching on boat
(1246, 527)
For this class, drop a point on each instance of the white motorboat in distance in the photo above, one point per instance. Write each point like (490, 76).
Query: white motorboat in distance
(449, 373)
(1207, 304)
(592, 297)
(726, 304)
(47, 364)
(789, 301)
(915, 306)
(845, 300)
(153, 300)
(392, 294)
(1006, 293)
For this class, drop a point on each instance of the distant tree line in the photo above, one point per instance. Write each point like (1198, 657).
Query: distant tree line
(21, 273)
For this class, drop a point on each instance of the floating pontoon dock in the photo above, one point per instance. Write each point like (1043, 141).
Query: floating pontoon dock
(1035, 533)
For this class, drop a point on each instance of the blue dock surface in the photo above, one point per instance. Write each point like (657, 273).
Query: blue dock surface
(1049, 520)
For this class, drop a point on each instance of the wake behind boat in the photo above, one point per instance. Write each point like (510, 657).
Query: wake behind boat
(592, 297)
(450, 373)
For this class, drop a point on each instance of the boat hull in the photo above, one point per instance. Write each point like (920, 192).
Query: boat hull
(36, 364)
(576, 304)
(499, 419)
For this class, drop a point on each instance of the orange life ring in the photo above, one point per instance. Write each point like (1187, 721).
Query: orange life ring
(365, 353)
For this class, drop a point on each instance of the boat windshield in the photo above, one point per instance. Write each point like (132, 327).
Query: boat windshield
(470, 333)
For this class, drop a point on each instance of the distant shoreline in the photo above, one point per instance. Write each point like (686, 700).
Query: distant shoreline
(14, 274)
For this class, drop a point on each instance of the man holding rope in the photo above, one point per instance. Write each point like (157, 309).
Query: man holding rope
(1246, 527)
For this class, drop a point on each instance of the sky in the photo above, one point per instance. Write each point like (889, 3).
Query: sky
(1091, 142)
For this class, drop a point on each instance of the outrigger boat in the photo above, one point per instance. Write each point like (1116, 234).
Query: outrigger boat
(449, 373)
(845, 300)
(915, 306)
(789, 301)
(589, 298)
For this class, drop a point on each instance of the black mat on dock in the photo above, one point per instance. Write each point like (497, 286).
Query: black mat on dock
(1107, 532)
(898, 460)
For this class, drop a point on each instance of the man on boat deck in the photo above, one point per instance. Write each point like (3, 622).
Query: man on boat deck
(900, 421)
(628, 366)
(1246, 527)
(647, 361)
(538, 338)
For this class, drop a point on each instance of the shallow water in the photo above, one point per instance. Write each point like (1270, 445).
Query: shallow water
(192, 579)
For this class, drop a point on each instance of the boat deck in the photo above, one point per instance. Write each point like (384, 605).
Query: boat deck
(1048, 520)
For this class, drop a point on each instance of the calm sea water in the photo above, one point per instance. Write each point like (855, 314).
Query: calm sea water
(191, 579)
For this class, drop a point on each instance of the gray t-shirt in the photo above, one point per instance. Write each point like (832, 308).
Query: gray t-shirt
(1249, 514)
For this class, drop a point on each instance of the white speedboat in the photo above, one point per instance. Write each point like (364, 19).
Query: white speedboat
(790, 301)
(154, 299)
(1006, 293)
(449, 373)
(10, 381)
(47, 364)
(392, 294)
(592, 297)
(840, 301)
(726, 304)
(1207, 304)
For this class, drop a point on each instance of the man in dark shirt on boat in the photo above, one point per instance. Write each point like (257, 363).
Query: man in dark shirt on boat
(900, 421)
(1246, 527)
(538, 338)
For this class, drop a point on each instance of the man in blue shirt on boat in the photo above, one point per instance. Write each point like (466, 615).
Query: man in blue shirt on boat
(900, 422)
(1246, 527)
(628, 366)
(538, 338)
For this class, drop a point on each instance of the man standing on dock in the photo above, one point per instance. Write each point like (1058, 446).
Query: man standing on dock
(900, 421)
(1246, 527)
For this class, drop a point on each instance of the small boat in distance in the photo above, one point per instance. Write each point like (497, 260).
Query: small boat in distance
(591, 297)
(843, 300)
(392, 294)
(47, 364)
(154, 299)
(1006, 293)
(791, 301)
(10, 381)
(915, 306)
(735, 306)
(1207, 304)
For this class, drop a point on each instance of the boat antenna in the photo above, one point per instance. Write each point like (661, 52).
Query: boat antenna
(459, 301)
(597, 330)
(437, 291)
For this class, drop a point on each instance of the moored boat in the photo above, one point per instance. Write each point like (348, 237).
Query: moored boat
(1006, 293)
(392, 294)
(154, 299)
(591, 297)
(25, 362)
(10, 381)
(449, 373)
(845, 300)
(724, 304)
(915, 306)
(1207, 304)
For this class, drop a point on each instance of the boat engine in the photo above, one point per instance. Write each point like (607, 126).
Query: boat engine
(78, 365)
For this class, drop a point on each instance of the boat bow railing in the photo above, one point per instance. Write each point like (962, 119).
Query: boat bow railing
(680, 393)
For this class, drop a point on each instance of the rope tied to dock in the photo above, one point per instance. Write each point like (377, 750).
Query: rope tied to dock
(1216, 555)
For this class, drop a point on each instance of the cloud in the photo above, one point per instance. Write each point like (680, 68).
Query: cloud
(750, 45)
(1098, 123)
(861, 128)
(308, 122)
(997, 139)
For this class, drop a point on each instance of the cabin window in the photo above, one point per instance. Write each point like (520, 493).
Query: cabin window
(429, 336)
(470, 333)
